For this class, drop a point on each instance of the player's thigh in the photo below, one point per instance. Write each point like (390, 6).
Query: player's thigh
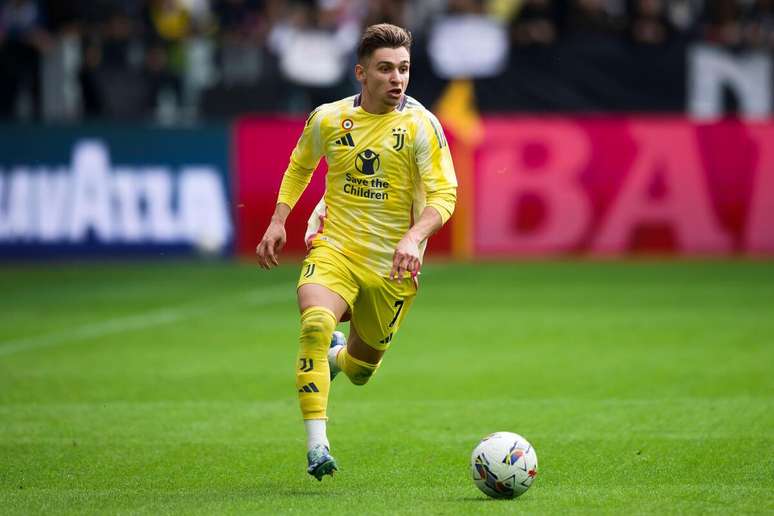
(312, 294)
(380, 309)
(326, 281)
(358, 349)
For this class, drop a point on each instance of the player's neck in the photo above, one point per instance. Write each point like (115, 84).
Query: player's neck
(373, 106)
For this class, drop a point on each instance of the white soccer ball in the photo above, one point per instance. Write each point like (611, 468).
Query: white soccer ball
(503, 465)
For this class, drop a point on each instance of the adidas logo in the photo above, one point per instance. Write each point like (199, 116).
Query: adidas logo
(346, 140)
(309, 387)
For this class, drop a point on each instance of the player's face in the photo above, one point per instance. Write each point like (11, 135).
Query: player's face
(384, 77)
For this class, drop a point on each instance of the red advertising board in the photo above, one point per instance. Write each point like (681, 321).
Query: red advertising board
(611, 186)
(262, 150)
(559, 185)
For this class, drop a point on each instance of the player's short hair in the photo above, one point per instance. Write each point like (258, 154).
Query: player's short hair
(382, 35)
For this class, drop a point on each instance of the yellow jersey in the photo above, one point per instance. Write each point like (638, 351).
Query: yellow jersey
(382, 172)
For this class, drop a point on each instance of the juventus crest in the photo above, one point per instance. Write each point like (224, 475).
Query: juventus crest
(400, 137)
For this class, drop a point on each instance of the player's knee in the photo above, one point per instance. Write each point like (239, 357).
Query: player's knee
(317, 325)
(313, 326)
(361, 376)
(358, 372)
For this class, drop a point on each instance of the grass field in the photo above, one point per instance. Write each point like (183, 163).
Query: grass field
(645, 387)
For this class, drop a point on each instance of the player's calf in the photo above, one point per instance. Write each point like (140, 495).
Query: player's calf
(312, 373)
(358, 371)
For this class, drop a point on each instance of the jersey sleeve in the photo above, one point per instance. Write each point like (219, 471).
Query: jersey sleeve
(435, 166)
(303, 161)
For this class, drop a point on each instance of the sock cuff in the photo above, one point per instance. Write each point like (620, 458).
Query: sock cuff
(313, 310)
(365, 365)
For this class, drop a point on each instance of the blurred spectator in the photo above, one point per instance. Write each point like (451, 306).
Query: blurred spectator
(591, 17)
(503, 10)
(239, 19)
(649, 23)
(23, 39)
(119, 41)
(92, 104)
(111, 78)
(242, 26)
(315, 46)
(758, 25)
(466, 42)
(63, 16)
(535, 24)
(170, 25)
(461, 7)
(169, 19)
(386, 11)
(135, 58)
(202, 20)
(420, 15)
(723, 23)
(684, 14)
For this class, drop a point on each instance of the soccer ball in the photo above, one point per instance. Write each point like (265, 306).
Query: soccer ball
(503, 465)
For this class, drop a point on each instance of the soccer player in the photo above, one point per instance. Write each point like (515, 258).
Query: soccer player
(390, 185)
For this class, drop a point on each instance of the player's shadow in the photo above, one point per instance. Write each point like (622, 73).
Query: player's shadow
(311, 494)
(479, 499)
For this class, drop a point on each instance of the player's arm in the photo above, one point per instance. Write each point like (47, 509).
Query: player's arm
(274, 237)
(440, 183)
(406, 257)
(303, 161)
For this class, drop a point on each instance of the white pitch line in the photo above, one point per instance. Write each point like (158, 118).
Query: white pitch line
(142, 321)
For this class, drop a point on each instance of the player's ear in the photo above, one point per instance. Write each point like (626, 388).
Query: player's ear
(360, 72)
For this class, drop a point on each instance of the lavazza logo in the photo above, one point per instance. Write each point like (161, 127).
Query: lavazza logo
(92, 201)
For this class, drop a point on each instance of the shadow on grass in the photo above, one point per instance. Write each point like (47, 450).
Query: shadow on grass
(479, 499)
(313, 494)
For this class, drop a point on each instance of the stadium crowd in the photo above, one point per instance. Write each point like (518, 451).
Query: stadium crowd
(183, 59)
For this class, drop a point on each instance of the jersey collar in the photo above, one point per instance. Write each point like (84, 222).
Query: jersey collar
(401, 105)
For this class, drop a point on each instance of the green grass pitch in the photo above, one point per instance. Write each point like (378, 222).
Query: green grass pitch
(155, 388)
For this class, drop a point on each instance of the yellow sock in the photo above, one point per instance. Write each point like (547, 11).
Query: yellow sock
(357, 371)
(313, 379)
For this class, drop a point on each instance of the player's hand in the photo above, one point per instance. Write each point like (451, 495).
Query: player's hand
(406, 258)
(271, 244)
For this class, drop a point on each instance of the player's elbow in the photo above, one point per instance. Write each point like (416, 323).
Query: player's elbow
(444, 203)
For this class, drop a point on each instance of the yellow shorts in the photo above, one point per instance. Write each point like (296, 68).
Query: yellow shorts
(377, 305)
